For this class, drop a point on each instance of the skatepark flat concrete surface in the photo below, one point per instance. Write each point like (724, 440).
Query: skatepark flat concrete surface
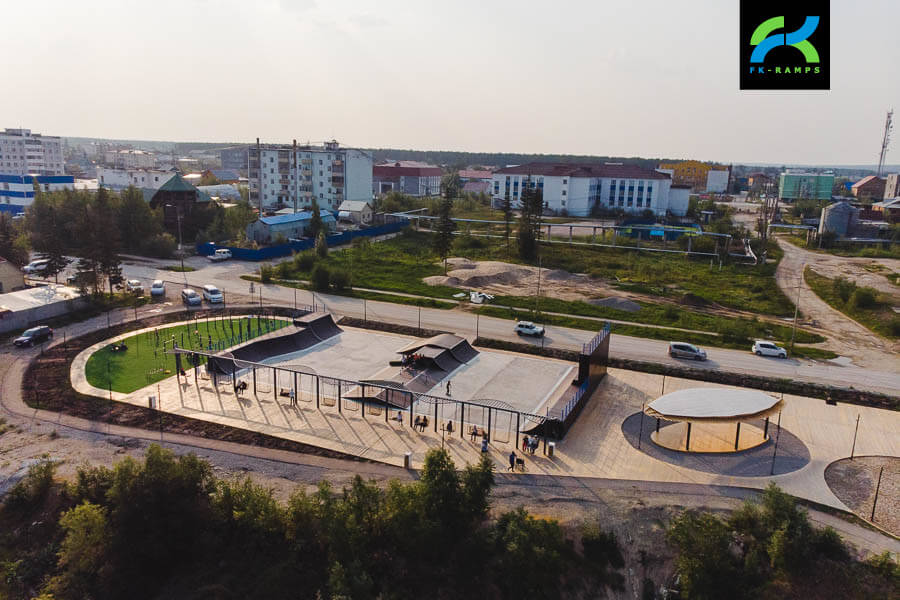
(595, 446)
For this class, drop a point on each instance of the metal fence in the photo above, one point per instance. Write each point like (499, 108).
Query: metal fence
(280, 250)
(596, 340)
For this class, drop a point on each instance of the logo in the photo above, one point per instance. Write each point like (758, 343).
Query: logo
(784, 48)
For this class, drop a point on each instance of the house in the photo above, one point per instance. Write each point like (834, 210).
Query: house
(868, 187)
(11, 277)
(409, 177)
(292, 225)
(177, 198)
(223, 175)
(888, 210)
(357, 211)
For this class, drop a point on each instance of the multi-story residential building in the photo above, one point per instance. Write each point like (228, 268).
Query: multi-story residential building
(17, 191)
(891, 186)
(410, 177)
(235, 158)
(129, 159)
(25, 153)
(693, 173)
(577, 188)
(294, 175)
(119, 179)
(796, 185)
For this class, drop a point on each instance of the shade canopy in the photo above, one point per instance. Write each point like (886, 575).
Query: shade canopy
(713, 404)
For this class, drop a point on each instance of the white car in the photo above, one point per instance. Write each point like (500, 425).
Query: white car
(158, 288)
(479, 297)
(220, 255)
(212, 294)
(134, 286)
(529, 328)
(35, 266)
(764, 348)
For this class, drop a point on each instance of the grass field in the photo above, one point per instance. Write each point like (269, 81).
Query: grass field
(145, 361)
(399, 264)
(862, 304)
(849, 250)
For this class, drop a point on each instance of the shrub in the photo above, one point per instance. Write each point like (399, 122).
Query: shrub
(894, 326)
(863, 298)
(304, 261)
(340, 280)
(279, 239)
(283, 270)
(32, 488)
(321, 245)
(321, 277)
(161, 245)
(843, 288)
(265, 273)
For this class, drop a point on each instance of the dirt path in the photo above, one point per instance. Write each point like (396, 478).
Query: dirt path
(845, 336)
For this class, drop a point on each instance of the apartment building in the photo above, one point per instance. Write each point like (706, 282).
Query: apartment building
(26, 153)
(891, 186)
(577, 188)
(292, 175)
(797, 185)
(410, 177)
(119, 179)
(130, 159)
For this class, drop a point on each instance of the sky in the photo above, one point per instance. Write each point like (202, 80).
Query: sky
(648, 78)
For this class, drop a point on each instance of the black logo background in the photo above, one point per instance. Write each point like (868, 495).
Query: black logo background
(753, 13)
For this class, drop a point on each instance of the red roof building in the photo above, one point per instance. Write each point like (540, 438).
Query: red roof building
(409, 177)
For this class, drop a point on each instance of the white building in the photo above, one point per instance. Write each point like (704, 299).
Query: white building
(289, 175)
(17, 191)
(130, 159)
(119, 179)
(717, 181)
(24, 153)
(576, 188)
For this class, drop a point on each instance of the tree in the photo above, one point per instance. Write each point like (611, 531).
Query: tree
(443, 241)
(321, 245)
(138, 223)
(530, 221)
(315, 221)
(106, 242)
(507, 217)
(81, 554)
(45, 236)
(13, 243)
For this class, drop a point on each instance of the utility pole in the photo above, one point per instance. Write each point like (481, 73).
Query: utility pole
(797, 307)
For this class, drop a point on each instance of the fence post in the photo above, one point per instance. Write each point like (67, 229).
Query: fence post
(518, 416)
(435, 416)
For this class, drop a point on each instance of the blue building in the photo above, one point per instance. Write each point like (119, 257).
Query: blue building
(292, 225)
(18, 190)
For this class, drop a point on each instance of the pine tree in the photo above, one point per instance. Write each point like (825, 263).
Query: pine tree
(443, 241)
(529, 222)
(315, 222)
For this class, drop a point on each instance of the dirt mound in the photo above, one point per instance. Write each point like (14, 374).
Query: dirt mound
(442, 280)
(461, 263)
(694, 300)
(617, 303)
(560, 275)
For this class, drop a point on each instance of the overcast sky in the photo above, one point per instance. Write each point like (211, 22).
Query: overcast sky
(648, 78)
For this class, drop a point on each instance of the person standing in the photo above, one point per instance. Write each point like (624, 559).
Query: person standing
(448, 387)
(512, 460)
(524, 443)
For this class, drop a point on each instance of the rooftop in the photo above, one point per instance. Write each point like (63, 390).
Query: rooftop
(297, 216)
(712, 404)
(616, 170)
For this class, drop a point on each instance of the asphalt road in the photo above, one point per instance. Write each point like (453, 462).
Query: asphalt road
(227, 275)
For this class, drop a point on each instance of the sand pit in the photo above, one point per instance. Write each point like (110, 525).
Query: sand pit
(519, 280)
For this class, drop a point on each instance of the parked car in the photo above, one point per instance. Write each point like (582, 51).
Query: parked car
(479, 297)
(764, 348)
(684, 350)
(529, 328)
(191, 297)
(33, 336)
(79, 278)
(158, 288)
(35, 267)
(212, 294)
(134, 286)
(220, 255)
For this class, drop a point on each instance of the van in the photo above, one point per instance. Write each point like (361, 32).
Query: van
(212, 294)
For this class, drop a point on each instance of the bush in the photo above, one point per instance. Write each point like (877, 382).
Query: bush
(321, 277)
(161, 245)
(340, 280)
(279, 239)
(843, 288)
(283, 270)
(304, 261)
(321, 245)
(265, 273)
(863, 298)
(32, 489)
(895, 326)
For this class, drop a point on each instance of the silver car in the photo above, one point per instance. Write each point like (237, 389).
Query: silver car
(685, 350)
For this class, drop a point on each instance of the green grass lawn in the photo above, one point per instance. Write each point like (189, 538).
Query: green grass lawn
(864, 305)
(145, 360)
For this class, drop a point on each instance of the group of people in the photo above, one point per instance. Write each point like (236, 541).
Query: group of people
(420, 423)
(530, 444)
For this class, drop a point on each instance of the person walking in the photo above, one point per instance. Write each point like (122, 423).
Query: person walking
(448, 387)
(525, 443)
(512, 461)
(293, 398)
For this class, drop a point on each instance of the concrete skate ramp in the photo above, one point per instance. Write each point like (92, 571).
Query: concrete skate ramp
(283, 341)
(446, 351)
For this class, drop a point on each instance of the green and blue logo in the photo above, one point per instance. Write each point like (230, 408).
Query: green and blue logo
(799, 39)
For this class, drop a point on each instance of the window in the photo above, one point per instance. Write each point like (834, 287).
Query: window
(565, 181)
(564, 192)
